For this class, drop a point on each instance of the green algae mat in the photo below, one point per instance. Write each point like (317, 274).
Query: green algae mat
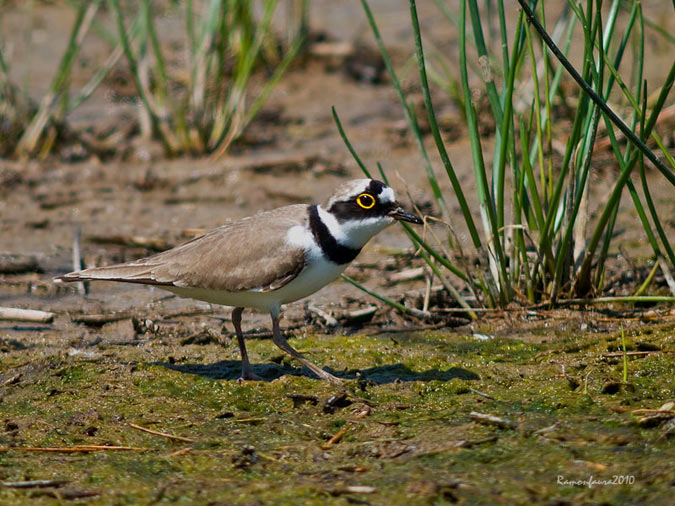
(428, 417)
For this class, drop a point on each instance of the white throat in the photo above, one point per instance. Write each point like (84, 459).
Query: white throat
(354, 233)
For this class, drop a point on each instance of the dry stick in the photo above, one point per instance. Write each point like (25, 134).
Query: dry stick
(11, 381)
(72, 449)
(478, 392)
(670, 281)
(336, 438)
(462, 310)
(488, 419)
(182, 451)
(642, 317)
(360, 313)
(648, 411)
(427, 288)
(33, 483)
(360, 489)
(161, 434)
(634, 353)
(100, 319)
(248, 420)
(330, 321)
(25, 315)
(407, 275)
(625, 300)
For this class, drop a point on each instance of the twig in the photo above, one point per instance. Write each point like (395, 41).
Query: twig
(427, 288)
(100, 319)
(359, 314)
(11, 381)
(72, 449)
(25, 315)
(66, 495)
(410, 310)
(330, 321)
(493, 420)
(161, 434)
(464, 310)
(482, 394)
(34, 483)
(607, 300)
(546, 430)
(407, 275)
(336, 438)
(248, 420)
(633, 353)
(182, 451)
(353, 489)
(360, 489)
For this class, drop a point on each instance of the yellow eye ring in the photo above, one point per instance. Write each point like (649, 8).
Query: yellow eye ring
(365, 200)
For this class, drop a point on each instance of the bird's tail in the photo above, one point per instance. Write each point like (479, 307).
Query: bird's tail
(125, 273)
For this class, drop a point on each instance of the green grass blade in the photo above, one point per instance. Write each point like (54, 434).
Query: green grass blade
(433, 124)
(596, 98)
(585, 269)
(396, 305)
(161, 78)
(274, 79)
(638, 207)
(133, 65)
(485, 198)
(345, 139)
(431, 177)
(449, 288)
(648, 197)
(55, 103)
(100, 73)
(481, 48)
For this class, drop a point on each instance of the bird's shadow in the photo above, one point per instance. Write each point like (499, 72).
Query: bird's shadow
(231, 370)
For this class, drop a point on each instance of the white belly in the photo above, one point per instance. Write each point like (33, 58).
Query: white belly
(316, 275)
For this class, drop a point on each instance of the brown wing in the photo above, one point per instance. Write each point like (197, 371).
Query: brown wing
(248, 254)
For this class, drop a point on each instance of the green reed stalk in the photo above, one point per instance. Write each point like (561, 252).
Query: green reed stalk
(412, 122)
(54, 104)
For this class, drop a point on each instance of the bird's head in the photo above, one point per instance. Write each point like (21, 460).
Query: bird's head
(362, 208)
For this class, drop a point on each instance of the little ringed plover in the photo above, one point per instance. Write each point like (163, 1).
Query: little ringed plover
(268, 259)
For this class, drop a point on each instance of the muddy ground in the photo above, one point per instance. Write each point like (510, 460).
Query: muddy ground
(406, 429)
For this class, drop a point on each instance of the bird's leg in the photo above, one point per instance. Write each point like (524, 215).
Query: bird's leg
(279, 339)
(246, 372)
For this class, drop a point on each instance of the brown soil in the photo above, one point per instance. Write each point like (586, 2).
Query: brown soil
(292, 153)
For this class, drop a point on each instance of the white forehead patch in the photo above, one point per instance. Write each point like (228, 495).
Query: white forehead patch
(353, 188)
(387, 195)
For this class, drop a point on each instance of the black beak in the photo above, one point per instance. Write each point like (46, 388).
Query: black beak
(400, 214)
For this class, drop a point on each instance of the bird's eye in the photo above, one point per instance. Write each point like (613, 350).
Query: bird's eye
(365, 200)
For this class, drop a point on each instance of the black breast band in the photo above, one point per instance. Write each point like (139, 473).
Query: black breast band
(336, 252)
